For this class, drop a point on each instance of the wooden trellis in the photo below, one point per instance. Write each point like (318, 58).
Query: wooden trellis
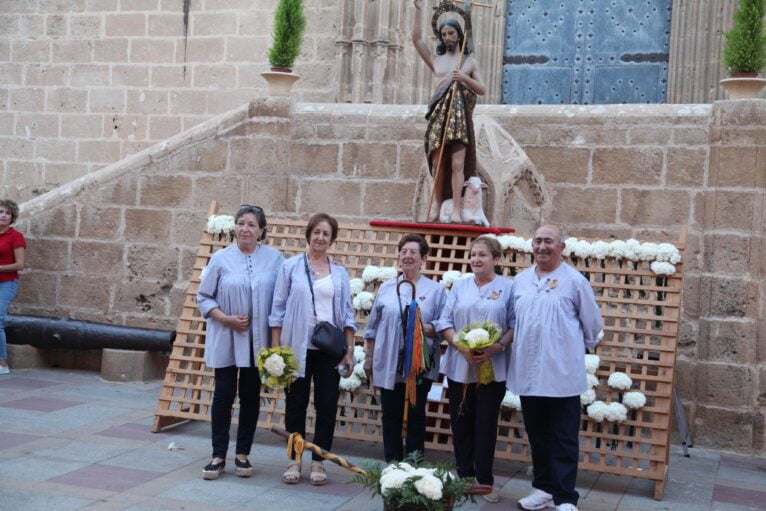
(641, 312)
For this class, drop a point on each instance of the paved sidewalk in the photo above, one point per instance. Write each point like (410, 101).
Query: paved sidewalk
(69, 440)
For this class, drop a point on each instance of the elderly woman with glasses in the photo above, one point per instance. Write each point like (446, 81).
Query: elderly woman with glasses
(312, 288)
(235, 296)
(385, 347)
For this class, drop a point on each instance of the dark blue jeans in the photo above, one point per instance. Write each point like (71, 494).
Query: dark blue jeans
(7, 294)
(553, 429)
(223, 400)
(392, 407)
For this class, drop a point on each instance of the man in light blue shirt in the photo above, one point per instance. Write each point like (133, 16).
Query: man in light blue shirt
(556, 319)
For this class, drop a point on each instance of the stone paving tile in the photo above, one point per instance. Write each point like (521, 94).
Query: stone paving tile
(26, 500)
(152, 459)
(740, 496)
(275, 498)
(228, 491)
(40, 404)
(106, 477)
(133, 431)
(33, 468)
(20, 382)
(85, 451)
(725, 506)
(742, 462)
(8, 439)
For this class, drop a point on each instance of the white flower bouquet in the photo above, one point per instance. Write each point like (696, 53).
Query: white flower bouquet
(358, 376)
(476, 337)
(363, 301)
(277, 367)
(220, 224)
(415, 485)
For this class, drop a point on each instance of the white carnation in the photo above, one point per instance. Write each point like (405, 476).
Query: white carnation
(392, 479)
(616, 412)
(634, 400)
(220, 224)
(387, 273)
(351, 383)
(450, 277)
(597, 411)
(274, 365)
(587, 397)
(591, 363)
(504, 240)
(359, 371)
(429, 486)
(592, 380)
(569, 246)
(371, 273)
(668, 252)
(619, 381)
(633, 246)
(356, 285)
(618, 249)
(661, 268)
(515, 242)
(600, 249)
(359, 354)
(600, 334)
(583, 249)
(511, 401)
(402, 466)
(363, 301)
(476, 337)
(647, 251)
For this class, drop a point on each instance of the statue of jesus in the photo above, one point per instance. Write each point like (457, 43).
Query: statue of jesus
(450, 66)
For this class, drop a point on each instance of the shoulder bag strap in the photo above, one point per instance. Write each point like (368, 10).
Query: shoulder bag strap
(311, 285)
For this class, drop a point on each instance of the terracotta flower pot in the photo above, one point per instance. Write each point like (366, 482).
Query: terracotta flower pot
(280, 82)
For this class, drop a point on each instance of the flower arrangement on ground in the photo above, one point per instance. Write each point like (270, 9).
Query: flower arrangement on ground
(277, 367)
(476, 337)
(414, 484)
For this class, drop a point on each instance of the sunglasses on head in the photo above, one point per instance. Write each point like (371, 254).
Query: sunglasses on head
(257, 209)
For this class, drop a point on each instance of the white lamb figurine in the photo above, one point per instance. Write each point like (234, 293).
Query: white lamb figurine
(473, 209)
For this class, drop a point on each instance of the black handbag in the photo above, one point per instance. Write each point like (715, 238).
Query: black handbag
(328, 338)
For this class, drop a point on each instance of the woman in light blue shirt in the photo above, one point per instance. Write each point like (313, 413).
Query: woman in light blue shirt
(293, 317)
(235, 295)
(474, 407)
(385, 348)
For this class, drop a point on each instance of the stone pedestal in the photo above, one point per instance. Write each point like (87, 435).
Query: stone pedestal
(129, 365)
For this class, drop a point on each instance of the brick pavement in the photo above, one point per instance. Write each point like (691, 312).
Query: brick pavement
(70, 441)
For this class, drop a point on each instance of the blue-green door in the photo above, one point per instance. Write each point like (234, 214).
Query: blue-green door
(586, 51)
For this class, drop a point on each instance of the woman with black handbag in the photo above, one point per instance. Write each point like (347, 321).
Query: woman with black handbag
(312, 314)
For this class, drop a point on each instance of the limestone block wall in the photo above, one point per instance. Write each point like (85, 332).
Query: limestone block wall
(117, 245)
(84, 83)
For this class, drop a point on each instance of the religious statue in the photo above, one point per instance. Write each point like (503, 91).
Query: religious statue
(449, 140)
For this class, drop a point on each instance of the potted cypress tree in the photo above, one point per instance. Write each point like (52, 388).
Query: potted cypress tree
(744, 53)
(289, 24)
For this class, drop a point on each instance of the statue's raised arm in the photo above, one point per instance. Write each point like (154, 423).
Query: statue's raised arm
(417, 35)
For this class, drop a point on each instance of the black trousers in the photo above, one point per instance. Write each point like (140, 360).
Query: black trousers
(223, 400)
(553, 429)
(321, 369)
(474, 427)
(392, 406)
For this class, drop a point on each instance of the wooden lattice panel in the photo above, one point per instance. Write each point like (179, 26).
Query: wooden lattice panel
(641, 314)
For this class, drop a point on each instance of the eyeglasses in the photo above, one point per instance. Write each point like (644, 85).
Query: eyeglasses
(257, 209)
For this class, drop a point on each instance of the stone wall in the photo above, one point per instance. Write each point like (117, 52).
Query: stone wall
(117, 245)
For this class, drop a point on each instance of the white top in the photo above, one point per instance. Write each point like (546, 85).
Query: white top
(323, 294)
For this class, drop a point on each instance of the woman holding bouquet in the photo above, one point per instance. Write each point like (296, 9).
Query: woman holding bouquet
(475, 394)
(312, 288)
(385, 347)
(235, 295)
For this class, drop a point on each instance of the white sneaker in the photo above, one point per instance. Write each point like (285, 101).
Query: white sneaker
(538, 499)
(4, 370)
(566, 507)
